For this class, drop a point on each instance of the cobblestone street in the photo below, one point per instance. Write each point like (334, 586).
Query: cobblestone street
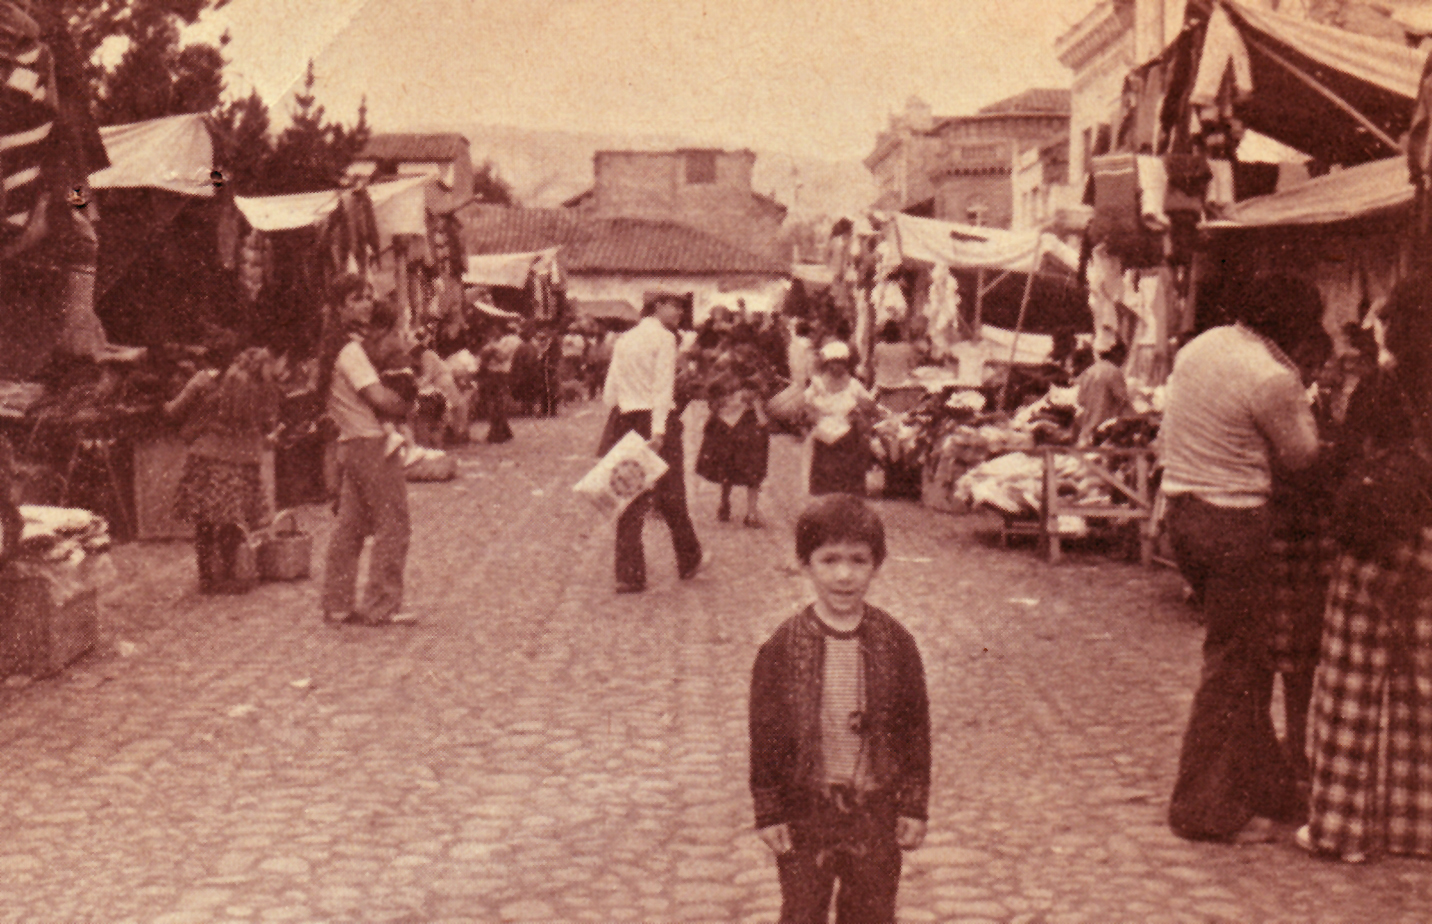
(537, 748)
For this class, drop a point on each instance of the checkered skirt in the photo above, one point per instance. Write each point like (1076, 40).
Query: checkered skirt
(1300, 567)
(1371, 746)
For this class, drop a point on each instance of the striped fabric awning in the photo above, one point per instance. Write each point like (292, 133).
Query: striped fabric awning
(27, 101)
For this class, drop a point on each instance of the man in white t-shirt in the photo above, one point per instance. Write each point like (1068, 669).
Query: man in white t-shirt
(1236, 408)
(640, 389)
(373, 492)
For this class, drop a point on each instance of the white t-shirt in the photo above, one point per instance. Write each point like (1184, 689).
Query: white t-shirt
(353, 372)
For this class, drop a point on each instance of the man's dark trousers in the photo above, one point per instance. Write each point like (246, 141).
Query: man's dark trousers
(669, 497)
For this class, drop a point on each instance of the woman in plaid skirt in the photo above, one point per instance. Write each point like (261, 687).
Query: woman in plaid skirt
(1371, 722)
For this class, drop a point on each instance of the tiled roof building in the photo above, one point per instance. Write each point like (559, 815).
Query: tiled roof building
(638, 246)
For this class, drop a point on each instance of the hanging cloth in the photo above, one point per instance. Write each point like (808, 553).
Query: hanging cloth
(943, 312)
(1223, 48)
(1105, 274)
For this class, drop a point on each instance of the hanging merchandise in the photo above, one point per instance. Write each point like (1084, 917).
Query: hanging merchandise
(1147, 302)
(943, 312)
(890, 304)
(1153, 191)
(1220, 188)
(1223, 48)
(1117, 222)
(1340, 283)
(1106, 286)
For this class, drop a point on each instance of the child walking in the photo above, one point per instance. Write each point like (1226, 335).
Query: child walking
(840, 730)
(735, 445)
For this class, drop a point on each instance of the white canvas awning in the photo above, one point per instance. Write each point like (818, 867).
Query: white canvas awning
(492, 311)
(509, 270)
(397, 207)
(173, 153)
(930, 240)
(1363, 191)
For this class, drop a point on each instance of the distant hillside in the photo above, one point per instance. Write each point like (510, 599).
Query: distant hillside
(547, 167)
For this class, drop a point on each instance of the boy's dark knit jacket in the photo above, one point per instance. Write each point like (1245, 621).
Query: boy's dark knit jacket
(786, 771)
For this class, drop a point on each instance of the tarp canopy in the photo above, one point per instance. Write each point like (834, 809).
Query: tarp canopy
(399, 203)
(813, 275)
(611, 310)
(930, 240)
(1364, 191)
(510, 270)
(1340, 96)
(173, 153)
(1030, 349)
(492, 311)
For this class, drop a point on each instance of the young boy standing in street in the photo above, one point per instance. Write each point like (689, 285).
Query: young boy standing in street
(840, 730)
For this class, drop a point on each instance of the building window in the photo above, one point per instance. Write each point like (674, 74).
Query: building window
(700, 167)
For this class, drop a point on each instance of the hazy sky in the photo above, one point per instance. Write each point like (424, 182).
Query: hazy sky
(807, 78)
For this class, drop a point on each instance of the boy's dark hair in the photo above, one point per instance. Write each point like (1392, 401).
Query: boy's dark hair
(839, 518)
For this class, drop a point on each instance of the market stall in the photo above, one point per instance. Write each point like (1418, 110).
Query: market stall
(527, 285)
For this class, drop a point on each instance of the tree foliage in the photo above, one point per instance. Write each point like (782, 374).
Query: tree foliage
(154, 76)
(243, 147)
(489, 186)
(312, 153)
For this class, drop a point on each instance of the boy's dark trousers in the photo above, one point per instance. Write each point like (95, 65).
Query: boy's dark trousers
(854, 843)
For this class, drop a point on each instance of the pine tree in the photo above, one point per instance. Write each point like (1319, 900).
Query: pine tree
(312, 153)
(243, 147)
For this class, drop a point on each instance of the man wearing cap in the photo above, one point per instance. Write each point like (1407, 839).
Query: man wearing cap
(640, 389)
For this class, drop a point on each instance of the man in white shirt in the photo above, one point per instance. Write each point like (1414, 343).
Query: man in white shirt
(373, 492)
(1236, 406)
(640, 390)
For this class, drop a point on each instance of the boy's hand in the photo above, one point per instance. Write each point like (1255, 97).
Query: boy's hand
(909, 833)
(778, 838)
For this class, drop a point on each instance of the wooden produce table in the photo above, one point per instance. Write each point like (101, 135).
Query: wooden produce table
(1128, 481)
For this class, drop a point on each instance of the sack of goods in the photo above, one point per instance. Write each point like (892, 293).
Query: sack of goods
(627, 470)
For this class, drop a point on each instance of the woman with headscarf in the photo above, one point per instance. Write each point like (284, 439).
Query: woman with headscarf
(1371, 714)
(839, 408)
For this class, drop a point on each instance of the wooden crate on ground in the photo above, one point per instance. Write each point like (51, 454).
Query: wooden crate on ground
(38, 637)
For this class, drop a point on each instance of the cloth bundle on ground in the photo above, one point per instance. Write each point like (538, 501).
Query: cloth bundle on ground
(421, 463)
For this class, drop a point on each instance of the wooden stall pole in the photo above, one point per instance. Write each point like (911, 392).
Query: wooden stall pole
(1019, 323)
(1050, 514)
(979, 301)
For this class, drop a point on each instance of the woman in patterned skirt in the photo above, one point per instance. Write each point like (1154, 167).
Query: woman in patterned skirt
(227, 418)
(1371, 722)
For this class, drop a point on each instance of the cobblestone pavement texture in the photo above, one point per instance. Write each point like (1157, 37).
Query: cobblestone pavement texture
(538, 748)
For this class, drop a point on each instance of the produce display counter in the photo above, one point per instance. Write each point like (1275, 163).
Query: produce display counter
(1126, 501)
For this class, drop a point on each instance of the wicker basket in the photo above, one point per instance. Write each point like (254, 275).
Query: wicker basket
(285, 552)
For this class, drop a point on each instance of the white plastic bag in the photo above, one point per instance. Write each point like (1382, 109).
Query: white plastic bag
(628, 469)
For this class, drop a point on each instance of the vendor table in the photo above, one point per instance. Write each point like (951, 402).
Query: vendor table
(1125, 472)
